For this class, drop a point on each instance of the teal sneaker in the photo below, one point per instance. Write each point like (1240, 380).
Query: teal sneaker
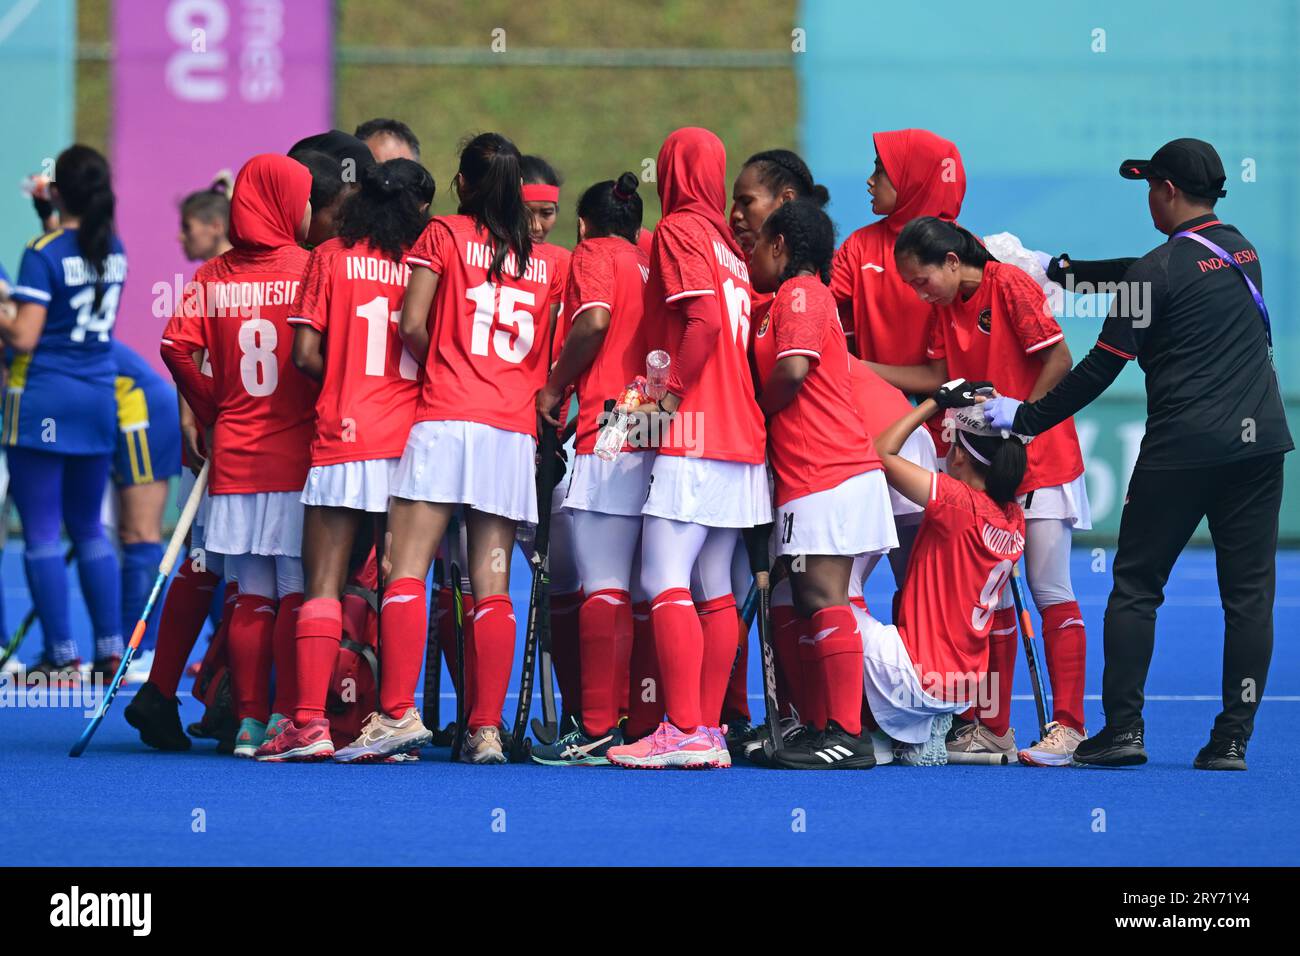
(251, 734)
(577, 749)
(274, 728)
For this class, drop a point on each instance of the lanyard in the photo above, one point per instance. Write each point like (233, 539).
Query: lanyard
(1255, 293)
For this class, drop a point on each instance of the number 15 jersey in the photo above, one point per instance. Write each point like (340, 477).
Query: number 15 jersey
(489, 340)
(237, 308)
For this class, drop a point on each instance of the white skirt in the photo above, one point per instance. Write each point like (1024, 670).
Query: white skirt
(898, 703)
(717, 494)
(852, 518)
(617, 487)
(469, 463)
(1068, 502)
(919, 450)
(359, 485)
(267, 523)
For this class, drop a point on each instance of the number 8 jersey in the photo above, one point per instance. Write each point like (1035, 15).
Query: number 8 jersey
(237, 309)
(489, 341)
(60, 396)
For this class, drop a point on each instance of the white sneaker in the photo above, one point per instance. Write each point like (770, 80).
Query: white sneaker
(383, 736)
(484, 747)
(140, 667)
(1054, 750)
(974, 743)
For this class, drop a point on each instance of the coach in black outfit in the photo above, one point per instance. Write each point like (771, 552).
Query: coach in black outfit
(1215, 437)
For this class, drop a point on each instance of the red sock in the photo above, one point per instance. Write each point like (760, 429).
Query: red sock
(645, 707)
(189, 597)
(1003, 635)
(1065, 645)
(735, 706)
(403, 622)
(249, 646)
(285, 651)
(566, 654)
(446, 632)
(319, 630)
(492, 656)
(785, 649)
(720, 626)
(679, 647)
(840, 657)
(598, 627)
(813, 712)
(623, 658)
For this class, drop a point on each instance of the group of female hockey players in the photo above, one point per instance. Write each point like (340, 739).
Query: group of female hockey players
(368, 383)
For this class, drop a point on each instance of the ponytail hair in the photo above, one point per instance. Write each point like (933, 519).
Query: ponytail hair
(388, 210)
(780, 169)
(809, 236)
(211, 204)
(1008, 459)
(85, 186)
(612, 208)
(929, 240)
(490, 168)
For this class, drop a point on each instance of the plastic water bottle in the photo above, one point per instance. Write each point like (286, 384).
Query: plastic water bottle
(613, 434)
(656, 374)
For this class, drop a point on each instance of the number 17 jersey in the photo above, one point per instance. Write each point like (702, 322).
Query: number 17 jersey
(489, 340)
(353, 296)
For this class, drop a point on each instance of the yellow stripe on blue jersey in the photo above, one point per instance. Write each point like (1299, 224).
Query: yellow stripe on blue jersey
(132, 408)
(40, 242)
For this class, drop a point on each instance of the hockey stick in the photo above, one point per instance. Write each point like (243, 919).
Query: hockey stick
(458, 623)
(20, 635)
(539, 607)
(1031, 650)
(756, 543)
(433, 659)
(164, 571)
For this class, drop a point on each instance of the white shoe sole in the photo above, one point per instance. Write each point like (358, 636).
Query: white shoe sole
(1044, 758)
(321, 750)
(680, 760)
(387, 747)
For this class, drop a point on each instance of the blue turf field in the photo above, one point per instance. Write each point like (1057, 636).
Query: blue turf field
(123, 804)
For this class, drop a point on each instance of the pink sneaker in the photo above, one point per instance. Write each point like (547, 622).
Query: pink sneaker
(719, 737)
(309, 742)
(669, 747)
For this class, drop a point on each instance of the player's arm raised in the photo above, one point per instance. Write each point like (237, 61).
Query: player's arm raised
(908, 479)
(913, 379)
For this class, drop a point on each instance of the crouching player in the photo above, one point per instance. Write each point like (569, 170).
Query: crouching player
(931, 664)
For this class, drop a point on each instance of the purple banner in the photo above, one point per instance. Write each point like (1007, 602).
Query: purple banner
(200, 86)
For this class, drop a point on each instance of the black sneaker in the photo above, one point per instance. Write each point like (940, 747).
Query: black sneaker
(577, 749)
(740, 732)
(792, 731)
(1221, 754)
(832, 749)
(157, 718)
(1113, 747)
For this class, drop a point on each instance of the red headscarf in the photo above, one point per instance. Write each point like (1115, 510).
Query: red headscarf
(927, 174)
(692, 172)
(271, 194)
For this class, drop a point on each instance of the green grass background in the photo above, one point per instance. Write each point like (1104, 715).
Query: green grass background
(591, 123)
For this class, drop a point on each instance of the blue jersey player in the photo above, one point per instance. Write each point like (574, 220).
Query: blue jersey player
(60, 409)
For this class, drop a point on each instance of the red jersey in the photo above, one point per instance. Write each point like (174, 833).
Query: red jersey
(607, 273)
(817, 441)
(489, 340)
(719, 418)
(963, 555)
(353, 297)
(237, 308)
(885, 317)
(878, 403)
(995, 335)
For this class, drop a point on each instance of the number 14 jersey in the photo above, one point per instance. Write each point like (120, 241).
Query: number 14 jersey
(489, 340)
(237, 309)
(353, 297)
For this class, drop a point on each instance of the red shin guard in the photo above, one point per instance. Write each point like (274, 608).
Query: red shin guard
(403, 621)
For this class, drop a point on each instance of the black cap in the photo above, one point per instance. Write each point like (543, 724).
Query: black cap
(1192, 165)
